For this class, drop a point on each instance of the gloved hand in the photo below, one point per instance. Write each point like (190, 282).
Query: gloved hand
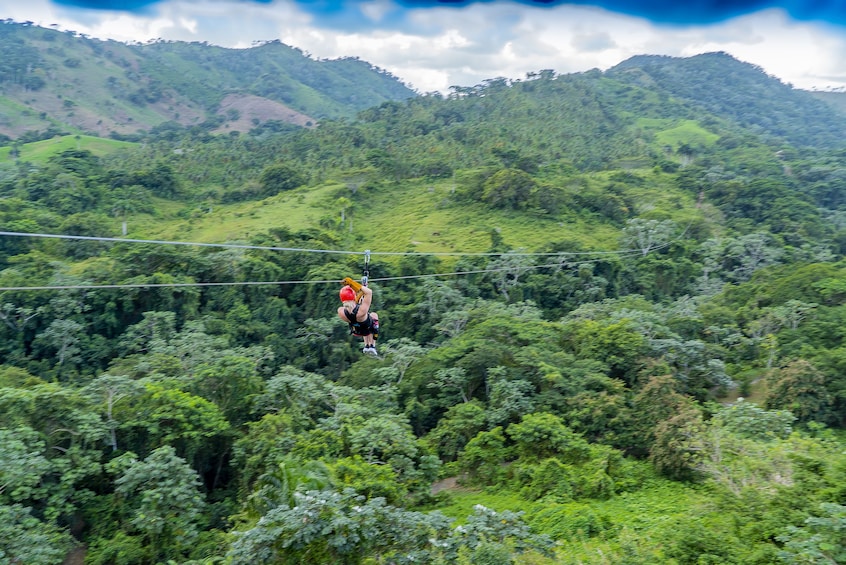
(355, 286)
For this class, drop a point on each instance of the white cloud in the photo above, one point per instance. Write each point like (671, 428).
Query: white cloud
(376, 10)
(435, 47)
(593, 42)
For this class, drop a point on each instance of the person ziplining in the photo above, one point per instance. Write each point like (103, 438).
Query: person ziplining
(357, 299)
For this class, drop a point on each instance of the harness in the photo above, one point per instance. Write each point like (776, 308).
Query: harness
(364, 327)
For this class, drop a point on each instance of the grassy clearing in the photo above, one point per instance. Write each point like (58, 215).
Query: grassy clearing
(593, 531)
(462, 503)
(39, 152)
(413, 216)
(689, 132)
(673, 133)
(205, 223)
(416, 215)
(429, 220)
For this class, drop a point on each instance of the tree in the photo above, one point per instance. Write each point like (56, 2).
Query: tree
(402, 353)
(821, 540)
(22, 463)
(127, 200)
(487, 531)
(315, 337)
(541, 435)
(170, 417)
(344, 204)
(617, 343)
(747, 419)
(506, 271)
(62, 337)
(388, 439)
(111, 389)
(484, 455)
(749, 253)
(453, 323)
(647, 235)
(231, 383)
(793, 312)
(746, 450)
(456, 428)
(164, 501)
(276, 487)
(672, 452)
(279, 178)
(72, 435)
(509, 188)
(26, 539)
(160, 179)
(369, 479)
(657, 401)
(508, 399)
(692, 365)
(436, 297)
(800, 388)
(308, 398)
(17, 319)
(156, 328)
(332, 528)
(455, 378)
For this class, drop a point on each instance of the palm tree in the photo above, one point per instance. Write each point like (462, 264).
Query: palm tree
(345, 204)
(277, 486)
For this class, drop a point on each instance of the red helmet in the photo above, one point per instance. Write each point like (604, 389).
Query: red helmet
(347, 293)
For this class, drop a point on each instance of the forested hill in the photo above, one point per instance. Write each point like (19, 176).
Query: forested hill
(64, 81)
(718, 84)
(612, 330)
(545, 123)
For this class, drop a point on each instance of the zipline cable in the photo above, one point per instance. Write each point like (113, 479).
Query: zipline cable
(257, 283)
(325, 251)
(163, 242)
(367, 254)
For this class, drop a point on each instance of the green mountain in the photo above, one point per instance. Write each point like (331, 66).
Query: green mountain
(544, 125)
(720, 85)
(66, 82)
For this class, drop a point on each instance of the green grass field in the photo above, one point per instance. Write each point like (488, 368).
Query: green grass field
(412, 216)
(673, 133)
(593, 531)
(40, 151)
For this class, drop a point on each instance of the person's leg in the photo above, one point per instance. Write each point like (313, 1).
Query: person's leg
(374, 329)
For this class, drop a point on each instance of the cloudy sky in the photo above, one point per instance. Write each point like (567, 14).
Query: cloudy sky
(434, 44)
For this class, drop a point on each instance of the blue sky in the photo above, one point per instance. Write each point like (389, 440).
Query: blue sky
(432, 45)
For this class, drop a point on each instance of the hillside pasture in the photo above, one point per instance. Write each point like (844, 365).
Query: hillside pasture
(40, 151)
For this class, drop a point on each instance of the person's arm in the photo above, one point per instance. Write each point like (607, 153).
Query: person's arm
(364, 305)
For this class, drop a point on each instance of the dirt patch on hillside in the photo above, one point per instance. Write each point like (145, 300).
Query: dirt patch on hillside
(450, 484)
(254, 110)
(75, 557)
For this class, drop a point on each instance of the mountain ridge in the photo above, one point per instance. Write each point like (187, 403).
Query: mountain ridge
(62, 81)
(744, 93)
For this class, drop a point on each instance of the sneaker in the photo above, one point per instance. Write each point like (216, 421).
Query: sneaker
(369, 351)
